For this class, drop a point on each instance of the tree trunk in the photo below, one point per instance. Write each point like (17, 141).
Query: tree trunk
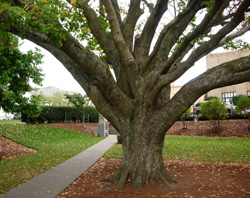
(142, 159)
(83, 118)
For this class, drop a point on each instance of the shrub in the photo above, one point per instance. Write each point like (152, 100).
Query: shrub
(184, 117)
(235, 99)
(215, 111)
(243, 103)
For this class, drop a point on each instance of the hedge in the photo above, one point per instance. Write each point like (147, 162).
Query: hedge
(52, 114)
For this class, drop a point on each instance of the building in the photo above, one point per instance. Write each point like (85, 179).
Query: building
(174, 90)
(226, 93)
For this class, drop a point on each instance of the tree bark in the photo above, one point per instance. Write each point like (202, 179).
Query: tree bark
(83, 117)
(142, 159)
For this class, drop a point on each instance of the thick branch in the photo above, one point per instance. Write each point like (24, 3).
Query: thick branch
(97, 30)
(199, 52)
(171, 32)
(229, 73)
(214, 22)
(133, 15)
(212, 44)
(116, 32)
(128, 62)
(200, 29)
(107, 43)
(144, 43)
(118, 14)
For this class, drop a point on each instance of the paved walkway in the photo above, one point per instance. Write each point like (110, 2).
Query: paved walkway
(52, 182)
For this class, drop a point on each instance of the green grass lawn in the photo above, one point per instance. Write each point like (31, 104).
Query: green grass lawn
(54, 145)
(200, 149)
(10, 121)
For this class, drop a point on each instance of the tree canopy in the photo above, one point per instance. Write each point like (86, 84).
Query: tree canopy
(17, 70)
(243, 104)
(79, 102)
(148, 44)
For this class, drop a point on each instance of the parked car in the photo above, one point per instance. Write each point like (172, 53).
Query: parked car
(247, 112)
(17, 116)
(196, 108)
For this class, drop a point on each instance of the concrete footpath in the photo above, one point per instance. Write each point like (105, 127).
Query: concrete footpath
(52, 182)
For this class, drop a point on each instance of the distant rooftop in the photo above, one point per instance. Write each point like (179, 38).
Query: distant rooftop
(50, 91)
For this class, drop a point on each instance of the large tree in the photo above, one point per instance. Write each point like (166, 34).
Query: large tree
(145, 43)
(79, 102)
(17, 71)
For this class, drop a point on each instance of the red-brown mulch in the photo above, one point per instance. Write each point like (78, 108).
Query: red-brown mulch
(230, 128)
(13, 149)
(89, 127)
(197, 180)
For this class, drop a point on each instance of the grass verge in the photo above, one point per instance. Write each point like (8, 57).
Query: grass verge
(200, 149)
(10, 121)
(53, 146)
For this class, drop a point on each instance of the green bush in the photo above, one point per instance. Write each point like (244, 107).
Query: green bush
(52, 114)
(215, 111)
(243, 104)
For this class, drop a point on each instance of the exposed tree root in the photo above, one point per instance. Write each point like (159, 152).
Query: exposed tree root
(165, 178)
(123, 178)
(122, 175)
(113, 178)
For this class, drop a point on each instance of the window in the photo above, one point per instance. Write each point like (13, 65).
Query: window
(227, 97)
(248, 94)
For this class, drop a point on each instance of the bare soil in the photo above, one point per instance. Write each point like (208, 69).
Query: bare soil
(197, 180)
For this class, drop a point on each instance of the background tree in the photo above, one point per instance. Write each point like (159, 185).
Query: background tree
(215, 111)
(148, 44)
(17, 70)
(79, 102)
(235, 99)
(243, 104)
